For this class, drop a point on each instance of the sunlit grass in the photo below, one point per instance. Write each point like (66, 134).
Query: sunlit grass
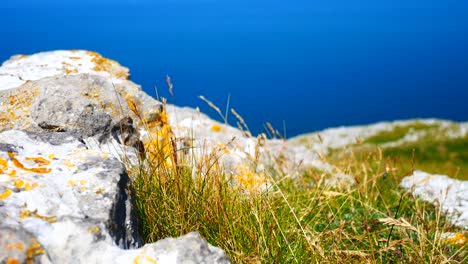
(296, 220)
(398, 132)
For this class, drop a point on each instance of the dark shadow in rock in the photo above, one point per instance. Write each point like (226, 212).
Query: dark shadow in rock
(124, 222)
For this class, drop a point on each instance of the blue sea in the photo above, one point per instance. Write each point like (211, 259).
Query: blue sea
(303, 65)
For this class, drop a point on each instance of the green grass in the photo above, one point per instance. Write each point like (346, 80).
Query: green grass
(397, 133)
(298, 220)
(448, 157)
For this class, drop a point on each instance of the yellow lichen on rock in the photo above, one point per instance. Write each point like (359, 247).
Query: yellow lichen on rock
(216, 128)
(94, 229)
(40, 161)
(12, 261)
(140, 259)
(33, 251)
(3, 164)
(72, 182)
(19, 165)
(69, 69)
(15, 107)
(20, 57)
(14, 246)
(27, 213)
(457, 239)
(29, 187)
(107, 65)
(19, 183)
(5, 194)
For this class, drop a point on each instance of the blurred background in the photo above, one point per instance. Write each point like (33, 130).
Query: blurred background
(306, 64)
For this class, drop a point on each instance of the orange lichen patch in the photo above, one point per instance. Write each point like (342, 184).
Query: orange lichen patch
(69, 71)
(216, 128)
(19, 165)
(99, 191)
(14, 246)
(12, 261)
(12, 173)
(82, 182)
(3, 163)
(137, 259)
(19, 183)
(147, 259)
(104, 155)
(12, 114)
(27, 213)
(51, 156)
(17, 106)
(151, 260)
(29, 187)
(68, 68)
(40, 161)
(68, 163)
(72, 182)
(34, 250)
(83, 188)
(107, 65)
(5, 194)
(458, 239)
(24, 214)
(94, 229)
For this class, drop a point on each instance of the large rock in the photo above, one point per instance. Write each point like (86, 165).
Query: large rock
(450, 194)
(63, 203)
(67, 118)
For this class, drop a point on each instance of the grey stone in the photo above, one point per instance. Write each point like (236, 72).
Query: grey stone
(17, 244)
(450, 194)
(190, 249)
(61, 107)
(64, 191)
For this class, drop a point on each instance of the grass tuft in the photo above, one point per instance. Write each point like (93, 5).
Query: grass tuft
(293, 220)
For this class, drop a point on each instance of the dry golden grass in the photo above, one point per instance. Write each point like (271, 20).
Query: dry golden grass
(296, 220)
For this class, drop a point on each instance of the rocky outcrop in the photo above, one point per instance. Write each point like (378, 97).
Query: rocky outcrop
(67, 120)
(61, 202)
(450, 194)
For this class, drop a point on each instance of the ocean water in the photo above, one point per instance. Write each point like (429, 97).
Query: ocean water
(303, 65)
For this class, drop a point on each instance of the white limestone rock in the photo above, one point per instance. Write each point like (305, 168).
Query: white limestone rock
(450, 194)
(64, 203)
(22, 68)
(189, 249)
(48, 180)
